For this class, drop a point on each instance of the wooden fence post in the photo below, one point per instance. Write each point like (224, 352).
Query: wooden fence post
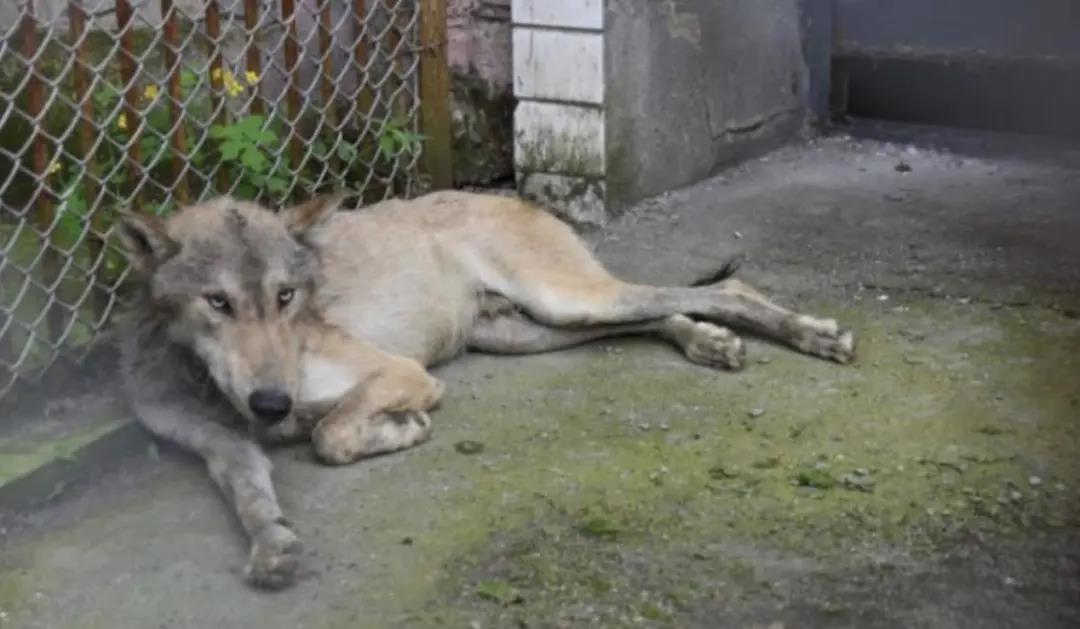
(437, 158)
(45, 209)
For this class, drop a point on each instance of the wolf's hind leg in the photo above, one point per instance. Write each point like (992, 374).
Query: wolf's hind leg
(514, 333)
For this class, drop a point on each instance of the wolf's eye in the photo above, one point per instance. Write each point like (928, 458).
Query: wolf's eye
(285, 297)
(219, 302)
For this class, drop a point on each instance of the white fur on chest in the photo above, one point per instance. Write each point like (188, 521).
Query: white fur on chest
(324, 381)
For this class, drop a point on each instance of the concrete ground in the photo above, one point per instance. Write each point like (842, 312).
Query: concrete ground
(934, 483)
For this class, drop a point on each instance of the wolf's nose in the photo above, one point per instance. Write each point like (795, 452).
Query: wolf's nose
(270, 405)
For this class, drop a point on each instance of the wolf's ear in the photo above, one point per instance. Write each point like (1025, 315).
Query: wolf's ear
(144, 237)
(299, 219)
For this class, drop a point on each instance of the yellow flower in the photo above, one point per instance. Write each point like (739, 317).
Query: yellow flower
(252, 77)
(121, 122)
(150, 92)
(229, 81)
(54, 167)
(232, 86)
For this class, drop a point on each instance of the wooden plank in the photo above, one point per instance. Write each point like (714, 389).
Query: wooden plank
(217, 100)
(437, 157)
(80, 75)
(130, 113)
(326, 63)
(292, 66)
(253, 55)
(364, 98)
(178, 139)
(44, 203)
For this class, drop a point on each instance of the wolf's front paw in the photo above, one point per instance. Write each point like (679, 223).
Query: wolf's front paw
(340, 443)
(275, 557)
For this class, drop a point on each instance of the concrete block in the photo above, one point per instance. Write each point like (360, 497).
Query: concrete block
(565, 13)
(559, 138)
(559, 65)
(577, 200)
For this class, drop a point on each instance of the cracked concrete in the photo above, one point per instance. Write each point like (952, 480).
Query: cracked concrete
(932, 484)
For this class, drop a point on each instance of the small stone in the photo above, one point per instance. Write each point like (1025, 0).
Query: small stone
(644, 426)
(1011, 582)
(737, 235)
(1034, 481)
(883, 298)
(914, 360)
(756, 412)
(406, 541)
(665, 426)
(764, 360)
(1016, 496)
(903, 167)
(722, 472)
(469, 447)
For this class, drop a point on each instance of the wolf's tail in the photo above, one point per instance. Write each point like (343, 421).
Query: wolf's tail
(727, 270)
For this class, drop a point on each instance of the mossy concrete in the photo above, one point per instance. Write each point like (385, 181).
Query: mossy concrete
(932, 483)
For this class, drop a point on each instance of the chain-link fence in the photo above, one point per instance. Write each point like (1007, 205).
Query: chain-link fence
(149, 105)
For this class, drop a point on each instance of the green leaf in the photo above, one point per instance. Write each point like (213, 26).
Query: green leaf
(386, 147)
(266, 136)
(246, 191)
(250, 126)
(253, 159)
(188, 79)
(223, 132)
(69, 227)
(149, 145)
(277, 184)
(230, 150)
(105, 96)
(158, 119)
(347, 152)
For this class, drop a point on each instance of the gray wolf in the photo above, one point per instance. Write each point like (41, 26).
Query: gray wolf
(253, 327)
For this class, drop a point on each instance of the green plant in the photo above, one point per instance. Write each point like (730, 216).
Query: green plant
(395, 139)
(225, 151)
(250, 147)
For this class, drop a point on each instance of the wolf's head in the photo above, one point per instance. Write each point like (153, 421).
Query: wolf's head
(229, 279)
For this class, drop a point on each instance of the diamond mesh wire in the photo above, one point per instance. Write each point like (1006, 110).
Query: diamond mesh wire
(147, 105)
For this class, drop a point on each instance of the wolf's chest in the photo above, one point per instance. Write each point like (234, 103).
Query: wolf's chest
(323, 382)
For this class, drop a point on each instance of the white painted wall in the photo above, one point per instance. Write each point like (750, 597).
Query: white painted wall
(586, 14)
(559, 65)
(559, 144)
